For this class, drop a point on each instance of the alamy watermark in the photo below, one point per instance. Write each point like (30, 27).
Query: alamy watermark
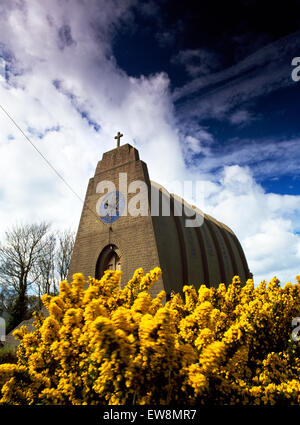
(296, 332)
(2, 329)
(114, 203)
(296, 71)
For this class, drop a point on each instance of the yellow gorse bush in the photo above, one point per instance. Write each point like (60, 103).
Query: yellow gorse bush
(107, 345)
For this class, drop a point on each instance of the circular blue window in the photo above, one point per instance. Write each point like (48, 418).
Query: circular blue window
(112, 206)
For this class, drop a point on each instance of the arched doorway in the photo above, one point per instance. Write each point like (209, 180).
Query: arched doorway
(109, 259)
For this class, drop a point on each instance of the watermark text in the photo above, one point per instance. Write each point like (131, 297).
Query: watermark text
(2, 329)
(139, 199)
(296, 70)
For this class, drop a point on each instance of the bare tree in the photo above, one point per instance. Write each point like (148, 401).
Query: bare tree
(64, 251)
(23, 248)
(32, 260)
(44, 268)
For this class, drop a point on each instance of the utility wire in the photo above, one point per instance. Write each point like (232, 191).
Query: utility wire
(46, 160)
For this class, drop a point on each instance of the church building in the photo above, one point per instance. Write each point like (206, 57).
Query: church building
(189, 246)
(110, 236)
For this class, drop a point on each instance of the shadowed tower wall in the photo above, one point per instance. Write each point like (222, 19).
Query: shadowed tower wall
(133, 237)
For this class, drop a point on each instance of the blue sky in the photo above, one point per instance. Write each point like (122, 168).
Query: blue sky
(230, 74)
(203, 92)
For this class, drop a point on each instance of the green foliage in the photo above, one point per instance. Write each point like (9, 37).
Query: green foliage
(18, 312)
(8, 354)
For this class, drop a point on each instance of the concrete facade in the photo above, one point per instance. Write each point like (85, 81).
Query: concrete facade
(210, 253)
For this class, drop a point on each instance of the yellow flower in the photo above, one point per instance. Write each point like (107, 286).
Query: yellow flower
(197, 380)
(107, 345)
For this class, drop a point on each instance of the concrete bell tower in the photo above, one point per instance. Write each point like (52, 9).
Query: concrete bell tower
(209, 253)
(127, 243)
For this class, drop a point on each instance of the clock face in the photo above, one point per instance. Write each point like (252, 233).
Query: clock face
(112, 206)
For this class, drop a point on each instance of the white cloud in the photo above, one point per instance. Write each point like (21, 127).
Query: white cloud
(263, 222)
(242, 117)
(197, 62)
(90, 83)
(70, 43)
(217, 94)
(200, 144)
(268, 158)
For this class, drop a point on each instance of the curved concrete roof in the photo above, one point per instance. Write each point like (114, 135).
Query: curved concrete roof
(207, 253)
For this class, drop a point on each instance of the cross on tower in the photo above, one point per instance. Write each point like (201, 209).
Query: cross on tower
(118, 137)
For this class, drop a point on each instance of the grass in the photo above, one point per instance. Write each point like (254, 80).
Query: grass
(8, 354)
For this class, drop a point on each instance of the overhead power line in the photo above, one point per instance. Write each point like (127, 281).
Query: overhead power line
(45, 159)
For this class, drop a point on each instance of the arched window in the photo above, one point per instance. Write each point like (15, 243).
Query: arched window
(113, 262)
(109, 259)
